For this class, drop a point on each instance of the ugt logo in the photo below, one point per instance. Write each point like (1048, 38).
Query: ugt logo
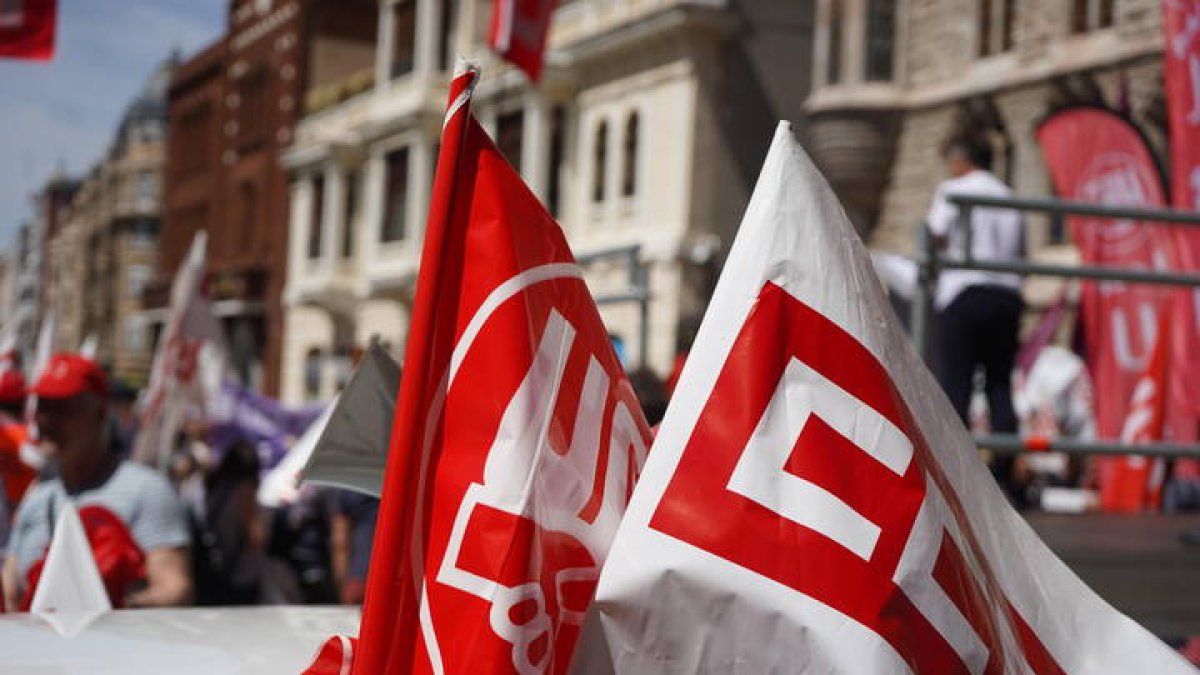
(530, 536)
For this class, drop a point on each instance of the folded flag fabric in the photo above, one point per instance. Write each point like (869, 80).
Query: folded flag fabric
(812, 503)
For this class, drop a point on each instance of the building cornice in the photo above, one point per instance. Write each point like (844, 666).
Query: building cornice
(708, 18)
(991, 75)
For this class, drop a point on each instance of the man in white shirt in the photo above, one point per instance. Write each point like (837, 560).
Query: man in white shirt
(978, 312)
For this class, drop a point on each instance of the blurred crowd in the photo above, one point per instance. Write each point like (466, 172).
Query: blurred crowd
(197, 531)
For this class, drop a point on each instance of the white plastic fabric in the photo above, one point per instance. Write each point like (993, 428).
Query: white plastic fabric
(70, 593)
(667, 606)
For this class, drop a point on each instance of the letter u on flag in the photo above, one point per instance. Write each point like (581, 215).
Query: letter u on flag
(516, 440)
(813, 504)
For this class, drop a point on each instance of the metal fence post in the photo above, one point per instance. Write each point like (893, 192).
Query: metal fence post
(921, 309)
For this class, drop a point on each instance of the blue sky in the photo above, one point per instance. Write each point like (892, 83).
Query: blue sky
(65, 111)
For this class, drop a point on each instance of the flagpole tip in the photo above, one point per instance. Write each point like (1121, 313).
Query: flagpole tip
(464, 65)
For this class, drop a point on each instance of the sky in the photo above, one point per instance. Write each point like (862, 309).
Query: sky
(65, 112)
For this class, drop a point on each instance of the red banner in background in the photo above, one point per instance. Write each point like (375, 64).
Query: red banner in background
(518, 32)
(27, 28)
(1094, 155)
(1181, 70)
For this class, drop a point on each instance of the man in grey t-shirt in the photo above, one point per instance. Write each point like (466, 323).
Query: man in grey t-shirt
(136, 504)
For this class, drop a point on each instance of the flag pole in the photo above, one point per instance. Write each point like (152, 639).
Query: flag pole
(392, 596)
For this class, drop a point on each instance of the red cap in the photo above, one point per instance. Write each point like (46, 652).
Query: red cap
(68, 375)
(12, 386)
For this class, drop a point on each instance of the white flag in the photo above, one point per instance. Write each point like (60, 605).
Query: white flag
(812, 503)
(189, 363)
(70, 592)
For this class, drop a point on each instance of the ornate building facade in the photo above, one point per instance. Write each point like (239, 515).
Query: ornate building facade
(892, 79)
(231, 109)
(647, 129)
(105, 253)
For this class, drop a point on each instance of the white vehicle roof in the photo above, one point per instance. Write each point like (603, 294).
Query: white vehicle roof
(196, 640)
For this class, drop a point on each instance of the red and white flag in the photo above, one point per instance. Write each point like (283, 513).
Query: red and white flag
(189, 362)
(1181, 82)
(812, 503)
(516, 440)
(1094, 155)
(27, 28)
(518, 32)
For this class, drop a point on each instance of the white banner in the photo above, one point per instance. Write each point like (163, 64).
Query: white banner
(189, 363)
(812, 502)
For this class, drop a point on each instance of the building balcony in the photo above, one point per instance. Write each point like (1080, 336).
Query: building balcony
(331, 284)
(392, 267)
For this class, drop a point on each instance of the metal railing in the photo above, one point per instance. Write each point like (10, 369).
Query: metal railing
(930, 263)
(638, 290)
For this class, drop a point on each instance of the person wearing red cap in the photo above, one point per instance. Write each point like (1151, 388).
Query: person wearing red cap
(135, 524)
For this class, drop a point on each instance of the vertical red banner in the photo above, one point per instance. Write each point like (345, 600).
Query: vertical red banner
(27, 28)
(1181, 74)
(1096, 156)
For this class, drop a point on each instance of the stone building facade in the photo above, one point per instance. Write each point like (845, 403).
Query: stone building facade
(231, 109)
(105, 254)
(892, 79)
(648, 128)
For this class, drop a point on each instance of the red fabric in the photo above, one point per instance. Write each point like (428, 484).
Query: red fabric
(68, 375)
(121, 562)
(1096, 156)
(518, 32)
(27, 29)
(15, 474)
(334, 656)
(502, 586)
(12, 386)
(1181, 73)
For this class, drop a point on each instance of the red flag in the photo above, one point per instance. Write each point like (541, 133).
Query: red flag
(1181, 66)
(27, 29)
(1095, 156)
(516, 438)
(518, 32)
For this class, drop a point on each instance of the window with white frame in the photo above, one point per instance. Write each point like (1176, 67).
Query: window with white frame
(599, 161)
(395, 212)
(629, 158)
(316, 220)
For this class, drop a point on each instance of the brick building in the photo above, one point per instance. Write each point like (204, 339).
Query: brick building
(231, 109)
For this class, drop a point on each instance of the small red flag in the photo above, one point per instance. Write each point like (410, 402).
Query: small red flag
(27, 28)
(518, 32)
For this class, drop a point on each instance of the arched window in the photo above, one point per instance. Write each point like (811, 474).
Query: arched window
(599, 160)
(629, 169)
